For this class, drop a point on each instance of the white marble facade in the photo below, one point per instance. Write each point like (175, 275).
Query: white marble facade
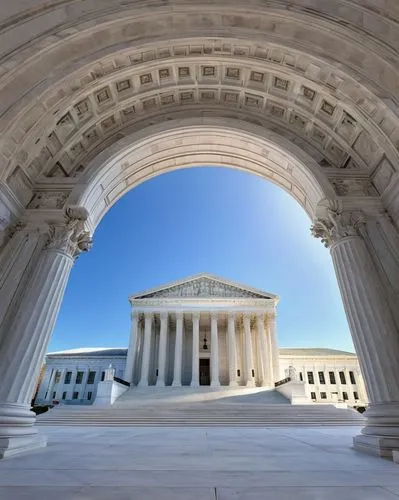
(203, 330)
(175, 329)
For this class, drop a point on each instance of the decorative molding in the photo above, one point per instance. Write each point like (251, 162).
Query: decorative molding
(202, 287)
(71, 238)
(337, 225)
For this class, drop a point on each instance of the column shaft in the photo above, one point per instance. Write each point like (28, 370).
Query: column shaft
(232, 343)
(269, 347)
(163, 344)
(195, 360)
(132, 351)
(215, 382)
(263, 348)
(376, 340)
(145, 367)
(17, 259)
(274, 348)
(26, 332)
(249, 363)
(178, 350)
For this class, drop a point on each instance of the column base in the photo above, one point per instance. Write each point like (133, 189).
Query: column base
(233, 384)
(381, 446)
(215, 383)
(194, 384)
(160, 383)
(17, 433)
(142, 383)
(250, 383)
(380, 436)
(176, 384)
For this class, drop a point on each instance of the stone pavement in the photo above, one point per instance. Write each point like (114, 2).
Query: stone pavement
(198, 464)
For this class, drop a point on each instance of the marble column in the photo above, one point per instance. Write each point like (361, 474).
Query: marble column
(178, 350)
(17, 260)
(26, 333)
(195, 360)
(163, 344)
(249, 362)
(145, 365)
(274, 348)
(263, 348)
(132, 351)
(232, 349)
(269, 354)
(215, 382)
(372, 325)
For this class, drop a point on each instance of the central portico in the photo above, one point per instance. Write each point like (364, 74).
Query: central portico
(203, 330)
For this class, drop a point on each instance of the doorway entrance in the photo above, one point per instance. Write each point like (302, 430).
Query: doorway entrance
(204, 372)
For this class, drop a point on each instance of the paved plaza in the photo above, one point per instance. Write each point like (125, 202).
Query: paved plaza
(198, 464)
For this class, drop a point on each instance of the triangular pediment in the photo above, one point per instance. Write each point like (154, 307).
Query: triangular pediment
(203, 286)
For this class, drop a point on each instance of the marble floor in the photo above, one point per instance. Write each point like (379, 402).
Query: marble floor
(136, 463)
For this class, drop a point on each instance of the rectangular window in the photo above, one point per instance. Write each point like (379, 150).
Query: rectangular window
(253, 372)
(79, 377)
(310, 378)
(238, 373)
(342, 377)
(300, 376)
(102, 376)
(352, 377)
(75, 395)
(57, 377)
(89, 395)
(156, 372)
(91, 377)
(321, 378)
(54, 393)
(313, 395)
(323, 395)
(332, 377)
(64, 395)
(68, 377)
(345, 396)
(355, 395)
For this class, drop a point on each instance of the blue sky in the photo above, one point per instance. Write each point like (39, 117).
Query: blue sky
(213, 220)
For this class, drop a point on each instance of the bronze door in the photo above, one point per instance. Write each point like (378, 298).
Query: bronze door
(204, 372)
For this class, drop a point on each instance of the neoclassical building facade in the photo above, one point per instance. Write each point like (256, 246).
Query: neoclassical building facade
(203, 331)
(330, 376)
(96, 97)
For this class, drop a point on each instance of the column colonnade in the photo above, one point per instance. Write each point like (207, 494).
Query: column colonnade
(257, 328)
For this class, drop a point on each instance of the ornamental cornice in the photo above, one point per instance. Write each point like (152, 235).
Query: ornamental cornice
(173, 304)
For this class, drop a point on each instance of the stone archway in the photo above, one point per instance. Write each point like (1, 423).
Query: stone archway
(97, 96)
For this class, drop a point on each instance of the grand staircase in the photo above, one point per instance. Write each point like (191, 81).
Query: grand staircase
(203, 407)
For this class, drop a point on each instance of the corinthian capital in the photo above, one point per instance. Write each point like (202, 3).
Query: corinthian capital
(336, 225)
(71, 237)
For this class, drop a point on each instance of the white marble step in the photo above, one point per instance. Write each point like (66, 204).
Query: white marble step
(137, 396)
(203, 414)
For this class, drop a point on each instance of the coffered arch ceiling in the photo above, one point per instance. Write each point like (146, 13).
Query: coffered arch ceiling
(326, 81)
